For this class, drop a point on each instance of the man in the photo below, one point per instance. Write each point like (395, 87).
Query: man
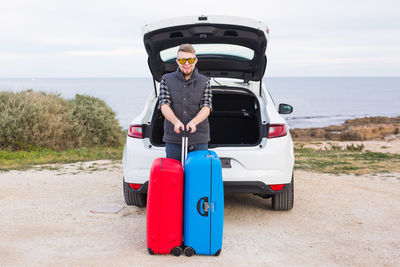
(185, 101)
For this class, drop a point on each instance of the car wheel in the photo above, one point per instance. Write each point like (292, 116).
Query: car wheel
(132, 197)
(284, 200)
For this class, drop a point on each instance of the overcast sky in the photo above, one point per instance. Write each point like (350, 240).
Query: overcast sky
(71, 38)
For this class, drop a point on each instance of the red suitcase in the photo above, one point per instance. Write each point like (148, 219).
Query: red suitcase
(165, 207)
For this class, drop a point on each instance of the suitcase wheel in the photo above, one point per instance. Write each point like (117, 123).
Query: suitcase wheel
(176, 251)
(188, 251)
(218, 252)
(150, 251)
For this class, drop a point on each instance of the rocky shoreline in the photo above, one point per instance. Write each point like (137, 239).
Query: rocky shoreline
(360, 129)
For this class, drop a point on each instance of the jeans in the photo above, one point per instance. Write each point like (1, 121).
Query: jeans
(174, 151)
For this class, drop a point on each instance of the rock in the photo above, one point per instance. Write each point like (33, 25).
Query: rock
(361, 129)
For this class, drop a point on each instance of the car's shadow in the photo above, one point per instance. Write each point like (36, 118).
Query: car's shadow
(248, 201)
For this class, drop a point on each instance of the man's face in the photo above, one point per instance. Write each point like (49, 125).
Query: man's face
(186, 68)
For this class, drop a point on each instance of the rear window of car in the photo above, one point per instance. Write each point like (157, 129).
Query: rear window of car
(212, 50)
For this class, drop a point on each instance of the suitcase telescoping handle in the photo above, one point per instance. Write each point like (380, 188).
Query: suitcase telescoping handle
(184, 148)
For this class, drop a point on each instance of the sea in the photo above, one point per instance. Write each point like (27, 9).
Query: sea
(317, 102)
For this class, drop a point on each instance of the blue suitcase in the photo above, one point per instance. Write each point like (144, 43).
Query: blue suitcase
(203, 212)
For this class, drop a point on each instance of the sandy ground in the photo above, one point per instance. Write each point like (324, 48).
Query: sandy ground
(46, 220)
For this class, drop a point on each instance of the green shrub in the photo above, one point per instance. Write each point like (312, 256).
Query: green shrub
(35, 119)
(98, 125)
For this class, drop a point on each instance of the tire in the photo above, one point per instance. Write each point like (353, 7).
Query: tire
(132, 197)
(284, 201)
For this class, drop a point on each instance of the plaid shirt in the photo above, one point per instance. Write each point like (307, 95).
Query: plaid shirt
(165, 98)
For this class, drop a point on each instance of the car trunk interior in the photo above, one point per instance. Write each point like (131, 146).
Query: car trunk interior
(234, 121)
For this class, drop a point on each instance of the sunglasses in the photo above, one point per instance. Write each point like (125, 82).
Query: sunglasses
(189, 60)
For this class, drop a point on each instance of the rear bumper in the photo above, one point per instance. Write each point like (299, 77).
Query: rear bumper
(255, 187)
(142, 189)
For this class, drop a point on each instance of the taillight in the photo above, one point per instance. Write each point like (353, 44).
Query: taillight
(135, 186)
(277, 187)
(135, 131)
(277, 130)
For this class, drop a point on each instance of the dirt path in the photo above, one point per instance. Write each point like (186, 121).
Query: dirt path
(336, 220)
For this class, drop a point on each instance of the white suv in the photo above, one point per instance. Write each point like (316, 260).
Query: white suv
(247, 132)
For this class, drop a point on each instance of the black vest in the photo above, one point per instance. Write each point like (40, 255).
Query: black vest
(185, 103)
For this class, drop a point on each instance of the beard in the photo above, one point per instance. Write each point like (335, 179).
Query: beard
(188, 74)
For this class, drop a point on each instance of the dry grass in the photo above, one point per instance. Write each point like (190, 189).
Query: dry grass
(349, 160)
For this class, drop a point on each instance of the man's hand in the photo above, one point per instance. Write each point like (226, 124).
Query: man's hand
(178, 126)
(191, 126)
